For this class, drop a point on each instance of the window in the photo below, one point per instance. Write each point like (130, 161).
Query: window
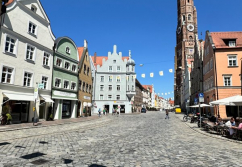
(86, 87)
(27, 79)
(101, 87)
(132, 78)
(10, 45)
(102, 78)
(33, 8)
(58, 62)
(110, 68)
(32, 28)
(110, 78)
(109, 97)
(87, 71)
(118, 87)
(83, 86)
(101, 97)
(232, 43)
(128, 78)
(90, 88)
(68, 50)
(227, 81)
(73, 86)
(118, 97)
(189, 17)
(80, 85)
(232, 60)
(46, 59)
(132, 87)
(73, 68)
(30, 52)
(114, 61)
(118, 69)
(67, 65)
(66, 84)
(85, 67)
(128, 87)
(118, 78)
(57, 83)
(7, 74)
(110, 87)
(45, 81)
(132, 68)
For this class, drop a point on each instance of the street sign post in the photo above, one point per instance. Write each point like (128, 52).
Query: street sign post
(41, 86)
(201, 100)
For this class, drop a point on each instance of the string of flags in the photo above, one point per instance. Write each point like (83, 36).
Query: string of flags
(161, 73)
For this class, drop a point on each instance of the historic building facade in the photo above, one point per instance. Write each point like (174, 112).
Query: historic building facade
(138, 98)
(65, 78)
(25, 60)
(222, 69)
(185, 34)
(85, 82)
(115, 82)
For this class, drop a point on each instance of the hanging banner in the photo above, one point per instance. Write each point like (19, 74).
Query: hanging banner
(170, 70)
(143, 75)
(152, 75)
(161, 73)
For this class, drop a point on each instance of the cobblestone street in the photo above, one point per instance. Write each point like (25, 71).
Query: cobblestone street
(129, 140)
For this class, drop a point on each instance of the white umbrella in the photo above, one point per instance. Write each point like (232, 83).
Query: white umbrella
(201, 105)
(229, 101)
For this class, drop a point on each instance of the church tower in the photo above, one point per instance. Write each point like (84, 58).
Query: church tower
(185, 42)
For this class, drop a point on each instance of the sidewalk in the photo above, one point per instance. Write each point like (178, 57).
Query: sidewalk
(194, 127)
(4, 128)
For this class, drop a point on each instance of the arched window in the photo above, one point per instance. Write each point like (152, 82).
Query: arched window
(188, 1)
(33, 8)
(190, 37)
(184, 18)
(189, 17)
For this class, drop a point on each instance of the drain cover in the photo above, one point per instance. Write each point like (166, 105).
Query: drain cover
(39, 162)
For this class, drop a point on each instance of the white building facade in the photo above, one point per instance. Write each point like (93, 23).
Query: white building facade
(25, 59)
(114, 82)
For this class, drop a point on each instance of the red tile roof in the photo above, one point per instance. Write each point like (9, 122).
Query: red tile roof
(219, 36)
(80, 51)
(9, 2)
(99, 60)
(148, 86)
(171, 102)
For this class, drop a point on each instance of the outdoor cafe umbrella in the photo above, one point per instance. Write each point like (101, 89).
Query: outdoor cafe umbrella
(229, 101)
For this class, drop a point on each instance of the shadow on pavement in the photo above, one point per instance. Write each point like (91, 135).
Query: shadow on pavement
(4, 143)
(96, 165)
(33, 155)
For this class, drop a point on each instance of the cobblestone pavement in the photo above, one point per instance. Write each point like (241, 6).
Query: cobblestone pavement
(145, 140)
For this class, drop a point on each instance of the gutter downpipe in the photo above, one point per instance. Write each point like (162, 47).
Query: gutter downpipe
(216, 78)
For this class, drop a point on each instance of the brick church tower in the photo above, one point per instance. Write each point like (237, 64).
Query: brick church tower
(185, 35)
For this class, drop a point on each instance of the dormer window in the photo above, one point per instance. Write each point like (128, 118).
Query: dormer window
(33, 8)
(232, 43)
(68, 50)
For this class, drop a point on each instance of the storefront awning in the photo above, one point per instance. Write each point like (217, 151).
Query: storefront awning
(19, 97)
(47, 99)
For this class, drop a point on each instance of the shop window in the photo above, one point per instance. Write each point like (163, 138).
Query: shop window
(7, 74)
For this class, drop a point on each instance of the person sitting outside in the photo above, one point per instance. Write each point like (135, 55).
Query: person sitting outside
(219, 122)
(239, 127)
(231, 125)
(9, 118)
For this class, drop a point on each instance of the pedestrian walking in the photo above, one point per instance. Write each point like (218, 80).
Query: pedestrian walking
(167, 114)
(99, 112)
(104, 111)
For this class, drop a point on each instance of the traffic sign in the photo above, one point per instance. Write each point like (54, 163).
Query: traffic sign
(201, 99)
(201, 95)
(41, 86)
(196, 100)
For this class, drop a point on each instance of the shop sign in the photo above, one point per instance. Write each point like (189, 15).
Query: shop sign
(59, 93)
(87, 97)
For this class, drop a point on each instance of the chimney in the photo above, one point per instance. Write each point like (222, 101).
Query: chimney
(114, 49)
(85, 43)
(95, 57)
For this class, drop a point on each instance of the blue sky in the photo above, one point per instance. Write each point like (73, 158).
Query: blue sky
(146, 27)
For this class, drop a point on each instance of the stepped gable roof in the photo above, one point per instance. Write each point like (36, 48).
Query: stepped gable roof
(148, 86)
(9, 2)
(80, 51)
(99, 60)
(219, 37)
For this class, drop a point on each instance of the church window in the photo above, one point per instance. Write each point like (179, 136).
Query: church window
(190, 37)
(184, 18)
(189, 17)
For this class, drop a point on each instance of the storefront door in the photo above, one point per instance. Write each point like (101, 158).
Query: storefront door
(66, 109)
(122, 108)
(42, 109)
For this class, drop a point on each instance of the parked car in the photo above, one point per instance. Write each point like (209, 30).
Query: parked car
(143, 110)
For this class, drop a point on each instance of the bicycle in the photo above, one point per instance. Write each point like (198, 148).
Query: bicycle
(186, 118)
